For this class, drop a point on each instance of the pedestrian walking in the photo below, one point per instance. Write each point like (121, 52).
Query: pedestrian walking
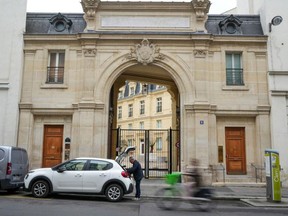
(137, 172)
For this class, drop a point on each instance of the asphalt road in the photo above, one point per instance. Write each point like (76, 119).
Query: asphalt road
(69, 205)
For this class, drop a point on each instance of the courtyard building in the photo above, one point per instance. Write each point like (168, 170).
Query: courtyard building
(214, 69)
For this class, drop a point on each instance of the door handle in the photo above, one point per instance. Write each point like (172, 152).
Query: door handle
(102, 174)
(78, 175)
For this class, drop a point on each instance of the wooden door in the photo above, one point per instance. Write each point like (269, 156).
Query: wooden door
(53, 142)
(235, 150)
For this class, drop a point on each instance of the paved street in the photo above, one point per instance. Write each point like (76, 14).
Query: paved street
(69, 205)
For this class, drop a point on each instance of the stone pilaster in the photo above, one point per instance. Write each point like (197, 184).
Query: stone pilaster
(89, 51)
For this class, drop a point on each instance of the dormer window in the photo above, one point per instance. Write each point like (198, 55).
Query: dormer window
(230, 25)
(60, 24)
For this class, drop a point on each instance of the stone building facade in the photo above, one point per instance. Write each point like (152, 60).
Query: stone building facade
(274, 23)
(215, 68)
(12, 24)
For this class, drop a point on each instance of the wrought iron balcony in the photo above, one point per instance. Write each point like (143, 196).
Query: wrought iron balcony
(55, 75)
(234, 76)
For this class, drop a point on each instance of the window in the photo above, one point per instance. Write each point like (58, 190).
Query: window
(130, 110)
(159, 124)
(234, 71)
(130, 126)
(142, 107)
(73, 165)
(99, 165)
(119, 112)
(120, 95)
(144, 88)
(55, 70)
(132, 91)
(141, 125)
(130, 142)
(142, 146)
(159, 144)
(159, 105)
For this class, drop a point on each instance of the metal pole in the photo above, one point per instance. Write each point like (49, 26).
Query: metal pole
(147, 149)
(170, 151)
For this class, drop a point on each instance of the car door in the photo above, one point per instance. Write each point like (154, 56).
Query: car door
(96, 175)
(69, 176)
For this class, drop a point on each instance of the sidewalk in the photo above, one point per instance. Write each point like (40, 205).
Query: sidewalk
(251, 193)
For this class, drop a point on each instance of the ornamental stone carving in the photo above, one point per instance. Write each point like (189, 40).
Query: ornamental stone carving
(90, 8)
(90, 52)
(201, 8)
(145, 52)
(200, 53)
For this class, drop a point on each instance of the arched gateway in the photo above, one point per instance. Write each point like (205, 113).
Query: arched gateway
(214, 67)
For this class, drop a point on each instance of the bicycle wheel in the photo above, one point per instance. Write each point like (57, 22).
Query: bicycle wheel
(167, 198)
(207, 203)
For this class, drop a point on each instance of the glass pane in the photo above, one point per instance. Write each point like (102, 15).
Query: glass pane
(228, 60)
(52, 60)
(61, 59)
(237, 61)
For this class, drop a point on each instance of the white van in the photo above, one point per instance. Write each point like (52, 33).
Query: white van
(14, 165)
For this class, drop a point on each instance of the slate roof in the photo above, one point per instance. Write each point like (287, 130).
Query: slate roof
(39, 23)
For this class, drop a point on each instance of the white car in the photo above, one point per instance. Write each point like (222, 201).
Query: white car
(82, 175)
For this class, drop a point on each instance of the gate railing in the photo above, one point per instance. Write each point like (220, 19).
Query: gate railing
(154, 149)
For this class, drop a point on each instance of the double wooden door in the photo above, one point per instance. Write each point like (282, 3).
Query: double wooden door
(235, 150)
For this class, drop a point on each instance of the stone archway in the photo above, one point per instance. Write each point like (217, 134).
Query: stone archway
(169, 71)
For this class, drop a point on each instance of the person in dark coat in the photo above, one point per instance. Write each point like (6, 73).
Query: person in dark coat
(137, 172)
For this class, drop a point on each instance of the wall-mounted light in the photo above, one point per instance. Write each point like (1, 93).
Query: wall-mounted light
(275, 21)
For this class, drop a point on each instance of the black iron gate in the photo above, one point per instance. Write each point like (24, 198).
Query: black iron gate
(158, 150)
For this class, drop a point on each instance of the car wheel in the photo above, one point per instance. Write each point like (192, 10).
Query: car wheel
(40, 189)
(114, 192)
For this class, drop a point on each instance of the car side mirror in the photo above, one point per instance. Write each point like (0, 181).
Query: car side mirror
(61, 169)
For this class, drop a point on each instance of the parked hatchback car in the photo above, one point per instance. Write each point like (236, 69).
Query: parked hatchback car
(14, 165)
(81, 175)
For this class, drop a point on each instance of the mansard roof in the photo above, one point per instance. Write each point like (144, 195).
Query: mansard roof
(74, 23)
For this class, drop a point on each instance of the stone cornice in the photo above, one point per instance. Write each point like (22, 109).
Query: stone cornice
(260, 110)
(279, 93)
(4, 85)
(145, 6)
(199, 107)
(52, 111)
(25, 105)
(89, 105)
(280, 73)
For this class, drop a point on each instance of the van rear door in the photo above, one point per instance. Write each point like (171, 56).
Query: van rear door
(20, 164)
(3, 163)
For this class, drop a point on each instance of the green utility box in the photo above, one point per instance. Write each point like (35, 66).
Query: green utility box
(273, 182)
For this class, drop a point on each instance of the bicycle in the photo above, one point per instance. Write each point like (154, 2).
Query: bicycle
(170, 197)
